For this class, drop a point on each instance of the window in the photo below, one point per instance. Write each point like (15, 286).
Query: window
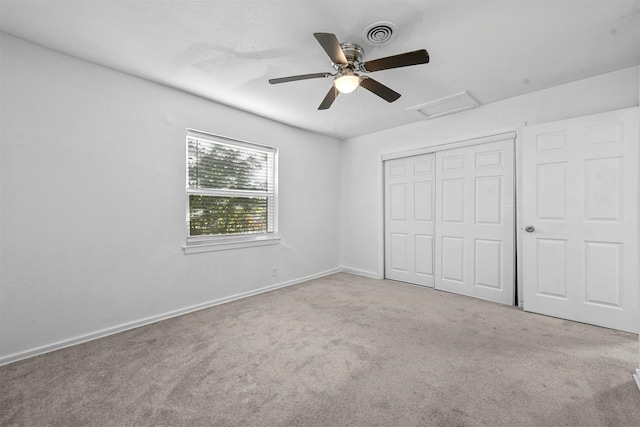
(231, 191)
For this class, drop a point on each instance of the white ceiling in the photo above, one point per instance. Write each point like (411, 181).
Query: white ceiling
(227, 50)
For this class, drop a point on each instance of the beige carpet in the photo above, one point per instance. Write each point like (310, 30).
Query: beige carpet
(342, 350)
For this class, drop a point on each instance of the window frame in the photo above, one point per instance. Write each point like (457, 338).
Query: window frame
(198, 244)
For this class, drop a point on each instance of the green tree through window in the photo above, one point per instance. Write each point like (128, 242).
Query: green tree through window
(231, 187)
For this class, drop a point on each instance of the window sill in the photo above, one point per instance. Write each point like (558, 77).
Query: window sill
(225, 245)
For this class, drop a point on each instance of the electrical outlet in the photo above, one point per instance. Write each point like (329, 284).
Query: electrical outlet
(274, 273)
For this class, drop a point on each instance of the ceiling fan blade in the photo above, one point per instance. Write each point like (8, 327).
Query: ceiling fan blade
(331, 45)
(300, 77)
(328, 100)
(379, 89)
(396, 61)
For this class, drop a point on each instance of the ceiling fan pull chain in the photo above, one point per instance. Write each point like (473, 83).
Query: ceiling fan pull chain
(335, 115)
(358, 102)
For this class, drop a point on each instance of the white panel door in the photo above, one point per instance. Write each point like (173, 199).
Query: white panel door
(475, 237)
(409, 219)
(580, 201)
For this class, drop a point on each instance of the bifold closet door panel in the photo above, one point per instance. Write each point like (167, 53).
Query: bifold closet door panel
(409, 218)
(474, 223)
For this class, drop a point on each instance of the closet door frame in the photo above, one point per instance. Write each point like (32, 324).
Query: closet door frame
(509, 132)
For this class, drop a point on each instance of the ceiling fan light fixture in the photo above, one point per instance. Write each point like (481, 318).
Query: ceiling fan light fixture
(347, 82)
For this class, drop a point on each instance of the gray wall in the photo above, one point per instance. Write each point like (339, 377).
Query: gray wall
(93, 203)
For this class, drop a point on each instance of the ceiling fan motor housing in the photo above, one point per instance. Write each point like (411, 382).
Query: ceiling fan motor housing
(353, 52)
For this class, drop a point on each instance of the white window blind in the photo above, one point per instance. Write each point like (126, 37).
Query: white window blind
(231, 187)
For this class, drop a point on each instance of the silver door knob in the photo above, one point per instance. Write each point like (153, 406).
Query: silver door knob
(529, 228)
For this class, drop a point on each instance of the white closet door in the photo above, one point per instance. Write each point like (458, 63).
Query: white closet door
(580, 196)
(409, 211)
(474, 227)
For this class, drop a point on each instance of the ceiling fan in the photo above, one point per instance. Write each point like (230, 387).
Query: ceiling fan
(347, 61)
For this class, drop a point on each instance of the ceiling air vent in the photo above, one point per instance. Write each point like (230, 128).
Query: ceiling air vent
(380, 33)
(447, 105)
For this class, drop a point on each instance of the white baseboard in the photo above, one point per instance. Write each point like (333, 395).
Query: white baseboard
(153, 319)
(636, 377)
(359, 272)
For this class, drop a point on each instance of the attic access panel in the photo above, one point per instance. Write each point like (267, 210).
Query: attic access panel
(447, 105)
